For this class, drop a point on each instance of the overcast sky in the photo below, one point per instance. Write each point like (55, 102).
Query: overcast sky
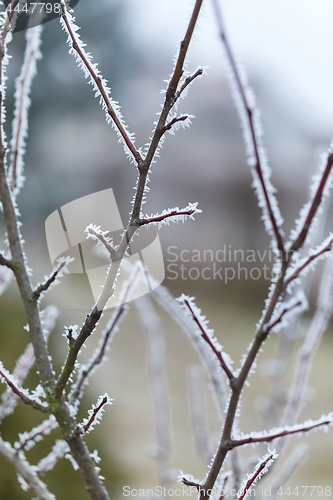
(291, 41)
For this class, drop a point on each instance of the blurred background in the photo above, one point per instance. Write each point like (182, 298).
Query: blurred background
(72, 152)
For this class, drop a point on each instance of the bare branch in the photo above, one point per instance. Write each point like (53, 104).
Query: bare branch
(6, 262)
(300, 239)
(43, 287)
(162, 217)
(100, 236)
(89, 423)
(26, 471)
(177, 119)
(170, 99)
(271, 435)
(29, 439)
(22, 396)
(22, 102)
(188, 81)
(278, 320)
(308, 260)
(251, 115)
(259, 471)
(187, 482)
(100, 84)
(207, 339)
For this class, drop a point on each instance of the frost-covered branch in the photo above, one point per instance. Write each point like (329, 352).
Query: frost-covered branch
(170, 99)
(95, 232)
(207, 335)
(95, 415)
(322, 184)
(43, 287)
(99, 84)
(47, 463)
(325, 247)
(268, 436)
(100, 353)
(22, 103)
(22, 393)
(175, 120)
(252, 131)
(307, 351)
(198, 413)
(159, 388)
(26, 471)
(260, 470)
(188, 80)
(174, 215)
(25, 362)
(28, 439)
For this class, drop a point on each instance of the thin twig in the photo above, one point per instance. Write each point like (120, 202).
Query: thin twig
(6, 262)
(188, 81)
(83, 429)
(278, 320)
(300, 239)
(22, 396)
(25, 470)
(177, 119)
(110, 109)
(308, 261)
(112, 251)
(162, 217)
(267, 438)
(255, 476)
(43, 287)
(258, 167)
(207, 339)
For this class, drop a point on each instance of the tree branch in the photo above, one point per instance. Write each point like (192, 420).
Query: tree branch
(26, 471)
(43, 287)
(270, 435)
(307, 261)
(300, 239)
(100, 85)
(207, 339)
(22, 396)
(261, 469)
(251, 117)
(160, 218)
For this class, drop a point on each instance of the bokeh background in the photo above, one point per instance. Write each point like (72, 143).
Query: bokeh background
(72, 152)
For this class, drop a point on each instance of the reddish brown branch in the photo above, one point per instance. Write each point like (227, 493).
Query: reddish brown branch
(270, 326)
(206, 338)
(191, 483)
(270, 437)
(7, 27)
(308, 261)
(85, 428)
(43, 287)
(99, 84)
(250, 117)
(22, 396)
(314, 206)
(254, 477)
(177, 119)
(162, 217)
(188, 81)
